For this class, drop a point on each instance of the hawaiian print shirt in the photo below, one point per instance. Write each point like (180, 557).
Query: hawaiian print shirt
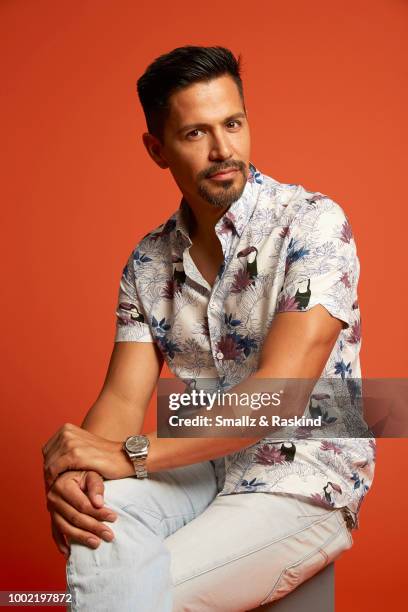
(285, 249)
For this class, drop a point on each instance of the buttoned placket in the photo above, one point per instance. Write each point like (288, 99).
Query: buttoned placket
(212, 293)
(227, 241)
(214, 305)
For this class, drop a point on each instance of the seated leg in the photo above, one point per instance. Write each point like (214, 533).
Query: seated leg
(132, 572)
(245, 550)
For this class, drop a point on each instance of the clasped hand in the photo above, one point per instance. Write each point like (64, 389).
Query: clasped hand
(74, 448)
(75, 463)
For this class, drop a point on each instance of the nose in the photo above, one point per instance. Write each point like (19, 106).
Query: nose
(220, 147)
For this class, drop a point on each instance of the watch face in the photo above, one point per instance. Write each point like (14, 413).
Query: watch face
(136, 444)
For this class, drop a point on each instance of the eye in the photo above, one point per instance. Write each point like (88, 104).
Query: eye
(193, 134)
(234, 124)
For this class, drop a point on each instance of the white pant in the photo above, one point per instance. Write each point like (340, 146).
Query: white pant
(178, 547)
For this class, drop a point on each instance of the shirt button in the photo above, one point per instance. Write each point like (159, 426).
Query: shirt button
(220, 355)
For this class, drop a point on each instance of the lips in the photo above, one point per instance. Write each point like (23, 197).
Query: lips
(224, 174)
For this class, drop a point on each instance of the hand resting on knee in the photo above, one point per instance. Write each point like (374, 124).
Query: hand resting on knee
(75, 503)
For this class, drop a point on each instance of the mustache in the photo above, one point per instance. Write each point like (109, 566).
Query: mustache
(235, 164)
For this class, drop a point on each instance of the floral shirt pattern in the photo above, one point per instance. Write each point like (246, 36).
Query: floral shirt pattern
(285, 249)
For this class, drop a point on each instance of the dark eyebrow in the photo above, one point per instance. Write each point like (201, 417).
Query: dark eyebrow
(193, 126)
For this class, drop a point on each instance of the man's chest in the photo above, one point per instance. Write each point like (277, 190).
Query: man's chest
(211, 314)
(206, 260)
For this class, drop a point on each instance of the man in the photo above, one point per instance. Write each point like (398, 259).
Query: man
(249, 279)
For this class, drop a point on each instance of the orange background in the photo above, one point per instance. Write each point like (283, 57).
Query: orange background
(326, 92)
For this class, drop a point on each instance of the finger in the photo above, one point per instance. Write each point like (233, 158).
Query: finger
(51, 460)
(52, 471)
(95, 488)
(50, 443)
(71, 493)
(83, 521)
(59, 540)
(78, 457)
(57, 438)
(59, 462)
(68, 431)
(76, 534)
(82, 480)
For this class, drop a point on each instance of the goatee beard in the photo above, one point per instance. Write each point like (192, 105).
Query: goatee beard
(225, 195)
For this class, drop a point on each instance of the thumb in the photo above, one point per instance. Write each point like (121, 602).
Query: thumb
(95, 488)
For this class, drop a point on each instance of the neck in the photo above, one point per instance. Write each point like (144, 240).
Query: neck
(202, 221)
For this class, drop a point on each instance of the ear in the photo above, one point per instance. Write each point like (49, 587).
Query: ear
(154, 149)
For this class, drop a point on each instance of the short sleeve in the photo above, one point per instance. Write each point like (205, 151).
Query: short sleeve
(131, 320)
(321, 264)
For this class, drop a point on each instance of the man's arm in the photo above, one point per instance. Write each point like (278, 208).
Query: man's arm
(117, 413)
(132, 375)
(75, 501)
(297, 346)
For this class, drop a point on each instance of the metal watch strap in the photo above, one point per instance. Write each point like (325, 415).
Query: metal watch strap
(140, 466)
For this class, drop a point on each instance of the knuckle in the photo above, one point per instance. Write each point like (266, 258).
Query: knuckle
(66, 432)
(57, 487)
(100, 515)
(73, 519)
(93, 538)
(66, 439)
(50, 502)
(57, 523)
(68, 443)
(75, 452)
(66, 531)
(82, 506)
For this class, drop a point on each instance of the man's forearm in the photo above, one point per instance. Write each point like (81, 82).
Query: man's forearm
(99, 444)
(168, 453)
(113, 418)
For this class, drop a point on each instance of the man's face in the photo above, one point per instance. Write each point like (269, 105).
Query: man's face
(206, 141)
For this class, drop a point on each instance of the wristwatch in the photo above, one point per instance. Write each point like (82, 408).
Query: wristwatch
(137, 448)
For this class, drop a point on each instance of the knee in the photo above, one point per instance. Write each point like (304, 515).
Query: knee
(119, 493)
(134, 502)
(132, 498)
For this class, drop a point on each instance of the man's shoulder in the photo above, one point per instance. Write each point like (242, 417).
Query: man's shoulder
(157, 236)
(296, 203)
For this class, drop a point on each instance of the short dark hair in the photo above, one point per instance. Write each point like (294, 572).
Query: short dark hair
(177, 69)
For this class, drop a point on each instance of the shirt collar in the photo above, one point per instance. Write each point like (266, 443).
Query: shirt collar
(183, 218)
(235, 218)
